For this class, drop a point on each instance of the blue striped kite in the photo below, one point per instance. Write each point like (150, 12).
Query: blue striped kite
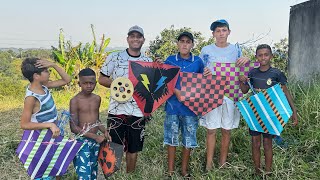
(267, 111)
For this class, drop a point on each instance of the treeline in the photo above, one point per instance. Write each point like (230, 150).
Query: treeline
(73, 58)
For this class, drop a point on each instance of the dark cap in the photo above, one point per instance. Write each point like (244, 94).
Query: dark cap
(220, 22)
(136, 29)
(189, 35)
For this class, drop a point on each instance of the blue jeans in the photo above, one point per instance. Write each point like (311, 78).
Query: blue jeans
(188, 126)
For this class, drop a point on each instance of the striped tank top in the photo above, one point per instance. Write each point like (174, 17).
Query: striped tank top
(48, 111)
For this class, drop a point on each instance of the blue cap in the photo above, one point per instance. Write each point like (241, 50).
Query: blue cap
(215, 24)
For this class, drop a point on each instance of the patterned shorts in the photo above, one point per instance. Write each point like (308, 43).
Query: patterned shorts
(86, 161)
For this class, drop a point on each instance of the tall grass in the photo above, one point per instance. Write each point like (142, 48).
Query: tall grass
(301, 160)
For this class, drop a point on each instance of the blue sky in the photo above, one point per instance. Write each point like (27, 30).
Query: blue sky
(36, 23)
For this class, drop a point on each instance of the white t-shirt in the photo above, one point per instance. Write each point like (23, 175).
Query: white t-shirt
(117, 65)
(212, 53)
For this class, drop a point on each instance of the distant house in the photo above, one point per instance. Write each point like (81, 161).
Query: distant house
(304, 40)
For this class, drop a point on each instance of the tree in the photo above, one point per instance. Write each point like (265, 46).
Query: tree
(279, 50)
(74, 58)
(166, 43)
(39, 53)
(10, 65)
(5, 63)
(280, 55)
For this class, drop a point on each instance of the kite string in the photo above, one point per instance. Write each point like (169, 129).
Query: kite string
(86, 128)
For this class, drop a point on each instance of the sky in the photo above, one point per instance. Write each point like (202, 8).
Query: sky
(36, 23)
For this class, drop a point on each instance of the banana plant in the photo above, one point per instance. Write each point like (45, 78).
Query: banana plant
(74, 58)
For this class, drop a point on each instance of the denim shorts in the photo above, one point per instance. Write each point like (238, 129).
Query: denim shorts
(188, 126)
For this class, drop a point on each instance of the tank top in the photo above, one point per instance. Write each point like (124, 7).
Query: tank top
(48, 111)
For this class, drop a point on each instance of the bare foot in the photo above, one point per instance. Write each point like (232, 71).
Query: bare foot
(208, 167)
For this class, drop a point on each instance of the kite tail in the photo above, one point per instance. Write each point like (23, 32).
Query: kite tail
(149, 106)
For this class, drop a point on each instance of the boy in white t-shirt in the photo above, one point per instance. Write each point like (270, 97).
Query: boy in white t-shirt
(226, 116)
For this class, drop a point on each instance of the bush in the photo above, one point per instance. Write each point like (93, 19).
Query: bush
(11, 87)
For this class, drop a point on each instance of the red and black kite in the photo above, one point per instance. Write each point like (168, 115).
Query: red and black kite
(153, 83)
(110, 157)
(201, 94)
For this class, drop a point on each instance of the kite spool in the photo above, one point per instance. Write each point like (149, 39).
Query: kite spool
(121, 89)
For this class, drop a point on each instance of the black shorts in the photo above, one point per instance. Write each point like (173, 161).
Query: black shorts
(256, 133)
(128, 131)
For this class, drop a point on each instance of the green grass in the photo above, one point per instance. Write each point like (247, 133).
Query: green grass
(301, 160)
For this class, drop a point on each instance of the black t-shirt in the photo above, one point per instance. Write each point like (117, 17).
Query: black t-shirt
(265, 79)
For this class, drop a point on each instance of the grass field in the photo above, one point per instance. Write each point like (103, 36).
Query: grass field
(301, 160)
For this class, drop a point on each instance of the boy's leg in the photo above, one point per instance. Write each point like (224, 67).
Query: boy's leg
(230, 120)
(171, 139)
(225, 141)
(171, 158)
(131, 159)
(211, 144)
(267, 146)
(256, 154)
(94, 159)
(81, 161)
(189, 126)
(185, 161)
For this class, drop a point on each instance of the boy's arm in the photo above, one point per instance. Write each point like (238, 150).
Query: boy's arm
(105, 80)
(242, 61)
(104, 131)
(65, 78)
(290, 100)
(243, 84)
(26, 123)
(207, 71)
(106, 72)
(177, 92)
(101, 127)
(74, 123)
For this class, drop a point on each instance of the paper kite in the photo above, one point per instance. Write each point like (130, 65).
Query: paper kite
(267, 111)
(230, 70)
(110, 157)
(43, 156)
(153, 83)
(201, 94)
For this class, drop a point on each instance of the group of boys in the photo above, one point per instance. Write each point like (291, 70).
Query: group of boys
(40, 112)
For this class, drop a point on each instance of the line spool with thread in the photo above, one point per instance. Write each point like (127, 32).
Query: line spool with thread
(121, 89)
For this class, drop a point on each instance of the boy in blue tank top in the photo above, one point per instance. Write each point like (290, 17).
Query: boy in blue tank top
(39, 111)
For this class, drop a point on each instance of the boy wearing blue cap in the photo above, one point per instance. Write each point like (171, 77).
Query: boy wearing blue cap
(226, 116)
